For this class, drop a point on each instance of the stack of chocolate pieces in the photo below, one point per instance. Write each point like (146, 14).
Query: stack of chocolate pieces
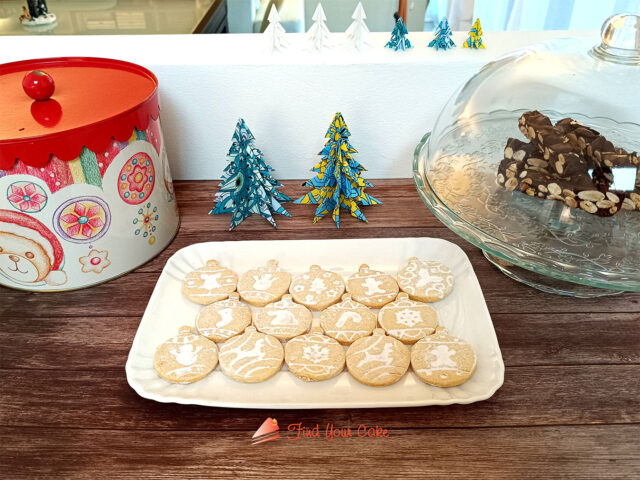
(569, 162)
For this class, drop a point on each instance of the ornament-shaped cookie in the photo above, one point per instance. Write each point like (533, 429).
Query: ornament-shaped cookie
(317, 289)
(185, 358)
(284, 319)
(443, 360)
(314, 357)
(264, 285)
(348, 320)
(209, 284)
(252, 357)
(425, 281)
(224, 319)
(372, 287)
(378, 360)
(408, 320)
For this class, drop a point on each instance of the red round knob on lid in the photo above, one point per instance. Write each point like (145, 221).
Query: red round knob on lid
(38, 85)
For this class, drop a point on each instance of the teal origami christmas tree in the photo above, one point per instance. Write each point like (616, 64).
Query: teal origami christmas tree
(442, 39)
(247, 186)
(338, 183)
(399, 37)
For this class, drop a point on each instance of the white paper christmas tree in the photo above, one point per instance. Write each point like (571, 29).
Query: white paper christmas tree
(275, 34)
(358, 30)
(318, 34)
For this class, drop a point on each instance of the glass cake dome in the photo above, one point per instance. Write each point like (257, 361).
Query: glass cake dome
(553, 203)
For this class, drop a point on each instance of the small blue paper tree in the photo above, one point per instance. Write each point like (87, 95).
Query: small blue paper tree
(247, 186)
(338, 183)
(442, 39)
(399, 37)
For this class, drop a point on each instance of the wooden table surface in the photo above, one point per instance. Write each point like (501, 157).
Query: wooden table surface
(569, 406)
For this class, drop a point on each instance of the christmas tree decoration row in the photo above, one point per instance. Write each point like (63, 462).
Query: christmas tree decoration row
(248, 187)
(319, 39)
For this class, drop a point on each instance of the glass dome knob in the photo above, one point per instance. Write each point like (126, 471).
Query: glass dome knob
(620, 39)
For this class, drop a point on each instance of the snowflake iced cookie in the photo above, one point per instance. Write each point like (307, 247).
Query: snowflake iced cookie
(408, 320)
(372, 287)
(209, 284)
(426, 281)
(314, 357)
(348, 320)
(378, 360)
(224, 319)
(264, 284)
(284, 319)
(252, 357)
(317, 289)
(185, 358)
(443, 360)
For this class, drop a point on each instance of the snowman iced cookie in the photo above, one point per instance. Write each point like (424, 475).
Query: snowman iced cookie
(408, 320)
(378, 360)
(284, 319)
(224, 319)
(426, 281)
(372, 287)
(185, 358)
(209, 283)
(252, 357)
(348, 320)
(264, 285)
(443, 360)
(317, 289)
(314, 357)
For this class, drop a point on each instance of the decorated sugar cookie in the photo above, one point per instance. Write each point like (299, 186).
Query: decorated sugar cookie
(185, 358)
(224, 319)
(284, 319)
(443, 360)
(252, 357)
(372, 287)
(348, 320)
(408, 320)
(378, 360)
(426, 281)
(314, 357)
(317, 289)
(264, 285)
(209, 284)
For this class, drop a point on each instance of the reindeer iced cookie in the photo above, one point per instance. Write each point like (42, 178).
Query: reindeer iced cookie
(408, 320)
(426, 281)
(284, 319)
(317, 289)
(348, 320)
(209, 283)
(443, 360)
(224, 319)
(264, 285)
(252, 357)
(314, 357)
(372, 287)
(185, 358)
(378, 360)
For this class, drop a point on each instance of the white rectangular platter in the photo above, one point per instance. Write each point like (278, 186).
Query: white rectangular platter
(464, 313)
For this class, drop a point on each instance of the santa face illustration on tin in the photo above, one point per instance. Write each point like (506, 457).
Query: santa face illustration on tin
(29, 252)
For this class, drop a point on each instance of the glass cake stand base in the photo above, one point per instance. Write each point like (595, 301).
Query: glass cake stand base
(547, 284)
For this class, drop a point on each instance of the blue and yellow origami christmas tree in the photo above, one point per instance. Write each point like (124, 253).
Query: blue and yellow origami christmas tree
(442, 39)
(399, 37)
(247, 186)
(475, 36)
(338, 183)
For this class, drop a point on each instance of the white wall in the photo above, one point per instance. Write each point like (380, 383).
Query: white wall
(389, 99)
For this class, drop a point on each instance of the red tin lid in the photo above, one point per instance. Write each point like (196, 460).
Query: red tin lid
(94, 100)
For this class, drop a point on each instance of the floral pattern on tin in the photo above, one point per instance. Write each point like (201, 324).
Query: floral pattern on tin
(136, 179)
(28, 197)
(82, 219)
(95, 262)
(145, 222)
